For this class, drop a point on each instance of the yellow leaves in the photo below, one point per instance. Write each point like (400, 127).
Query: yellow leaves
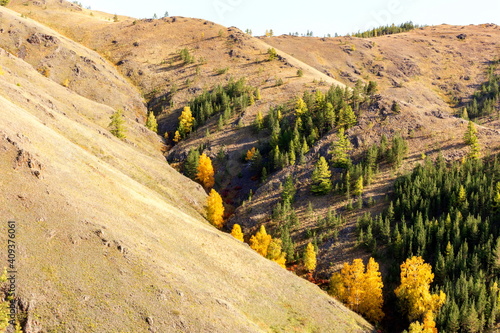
(250, 154)
(237, 233)
(300, 107)
(186, 121)
(260, 241)
(360, 289)
(274, 252)
(215, 209)
(266, 246)
(371, 306)
(177, 136)
(414, 291)
(429, 326)
(310, 258)
(205, 172)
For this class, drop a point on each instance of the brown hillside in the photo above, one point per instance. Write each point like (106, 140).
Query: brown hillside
(110, 238)
(428, 71)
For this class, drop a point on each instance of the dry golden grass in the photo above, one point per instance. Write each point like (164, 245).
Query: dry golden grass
(110, 236)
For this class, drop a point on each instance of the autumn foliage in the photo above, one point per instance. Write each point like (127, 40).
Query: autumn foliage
(360, 289)
(237, 233)
(310, 258)
(268, 247)
(205, 172)
(414, 291)
(215, 209)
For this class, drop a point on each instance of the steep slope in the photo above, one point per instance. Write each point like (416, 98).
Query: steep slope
(427, 71)
(110, 238)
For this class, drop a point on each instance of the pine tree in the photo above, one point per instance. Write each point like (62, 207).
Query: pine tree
(395, 107)
(310, 258)
(205, 172)
(340, 151)
(259, 122)
(300, 107)
(347, 117)
(237, 233)
(321, 177)
(471, 133)
(472, 141)
(414, 291)
(151, 122)
(190, 167)
(215, 209)
(260, 241)
(358, 187)
(116, 125)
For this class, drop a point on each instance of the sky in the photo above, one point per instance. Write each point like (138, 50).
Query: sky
(321, 17)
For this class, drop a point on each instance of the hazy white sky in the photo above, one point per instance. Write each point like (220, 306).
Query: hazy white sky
(321, 17)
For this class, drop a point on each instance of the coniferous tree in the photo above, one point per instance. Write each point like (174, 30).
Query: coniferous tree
(151, 122)
(190, 167)
(340, 151)
(117, 124)
(347, 117)
(471, 133)
(321, 177)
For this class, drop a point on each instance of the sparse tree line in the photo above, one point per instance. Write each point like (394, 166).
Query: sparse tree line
(226, 101)
(387, 30)
(485, 101)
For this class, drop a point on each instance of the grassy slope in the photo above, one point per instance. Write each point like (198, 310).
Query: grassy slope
(422, 70)
(110, 235)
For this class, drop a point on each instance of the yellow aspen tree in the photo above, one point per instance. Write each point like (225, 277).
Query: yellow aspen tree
(260, 241)
(360, 290)
(274, 252)
(215, 209)
(429, 323)
(414, 291)
(353, 276)
(186, 121)
(372, 301)
(237, 233)
(310, 258)
(205, 172)
(337, 288)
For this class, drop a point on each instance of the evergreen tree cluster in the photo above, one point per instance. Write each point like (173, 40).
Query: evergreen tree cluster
(387, 30)
(226, 100)
(486, 99)
(448, 214)
(297, 126)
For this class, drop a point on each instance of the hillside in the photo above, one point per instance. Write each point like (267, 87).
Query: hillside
(110, 237)
(410, 86)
